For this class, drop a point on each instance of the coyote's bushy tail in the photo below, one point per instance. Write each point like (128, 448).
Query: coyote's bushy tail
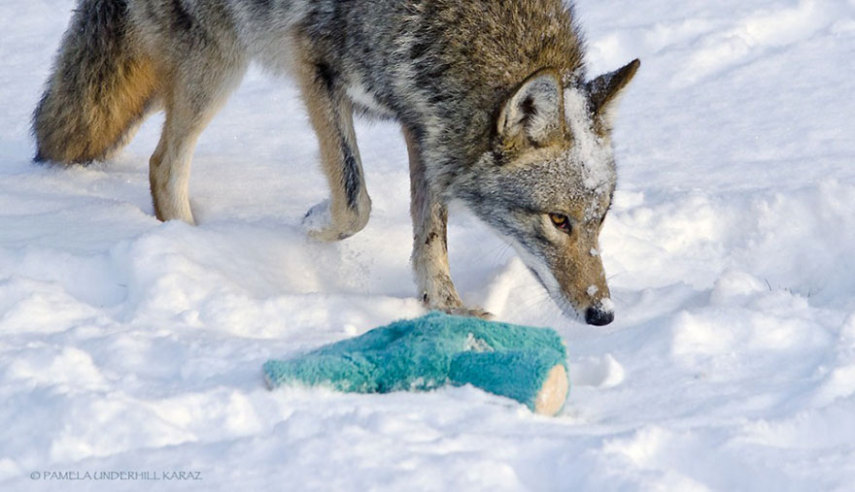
(99, 90)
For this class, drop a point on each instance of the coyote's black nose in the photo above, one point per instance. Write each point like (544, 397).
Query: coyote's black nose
(598, 317)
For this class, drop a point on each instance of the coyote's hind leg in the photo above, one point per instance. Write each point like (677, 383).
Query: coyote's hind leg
(191, 100)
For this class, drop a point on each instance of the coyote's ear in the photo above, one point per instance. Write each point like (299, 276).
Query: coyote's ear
(532, 116)
(605, 89)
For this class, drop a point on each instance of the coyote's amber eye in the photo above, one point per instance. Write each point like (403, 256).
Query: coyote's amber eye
(560, 221)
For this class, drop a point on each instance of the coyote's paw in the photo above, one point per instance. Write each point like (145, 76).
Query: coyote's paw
(450, 303)
(319, 225)
(318, 222)
(323, 224)
(472, 312)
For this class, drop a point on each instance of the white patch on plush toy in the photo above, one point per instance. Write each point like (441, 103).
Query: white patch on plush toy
(474, 344)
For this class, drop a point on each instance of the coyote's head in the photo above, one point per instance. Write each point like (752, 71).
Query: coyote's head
(548, 181)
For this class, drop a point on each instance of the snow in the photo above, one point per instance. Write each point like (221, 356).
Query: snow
(127, 345)
(598, 171)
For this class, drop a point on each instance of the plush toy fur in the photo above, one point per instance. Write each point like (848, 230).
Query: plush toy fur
(524, 363)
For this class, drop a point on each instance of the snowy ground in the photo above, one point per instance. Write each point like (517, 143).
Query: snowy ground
(127, 345)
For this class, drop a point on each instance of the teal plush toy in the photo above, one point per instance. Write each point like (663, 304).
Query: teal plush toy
(524, 363)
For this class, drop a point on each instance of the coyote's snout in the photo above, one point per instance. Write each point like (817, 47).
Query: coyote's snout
(492, 97)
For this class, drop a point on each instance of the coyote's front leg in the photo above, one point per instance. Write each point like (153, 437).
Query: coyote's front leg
(331, 115)
(430, 243)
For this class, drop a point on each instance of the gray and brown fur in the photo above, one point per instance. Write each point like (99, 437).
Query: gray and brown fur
(478, 87)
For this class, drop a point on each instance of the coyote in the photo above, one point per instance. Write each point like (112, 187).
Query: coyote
(492, 97)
